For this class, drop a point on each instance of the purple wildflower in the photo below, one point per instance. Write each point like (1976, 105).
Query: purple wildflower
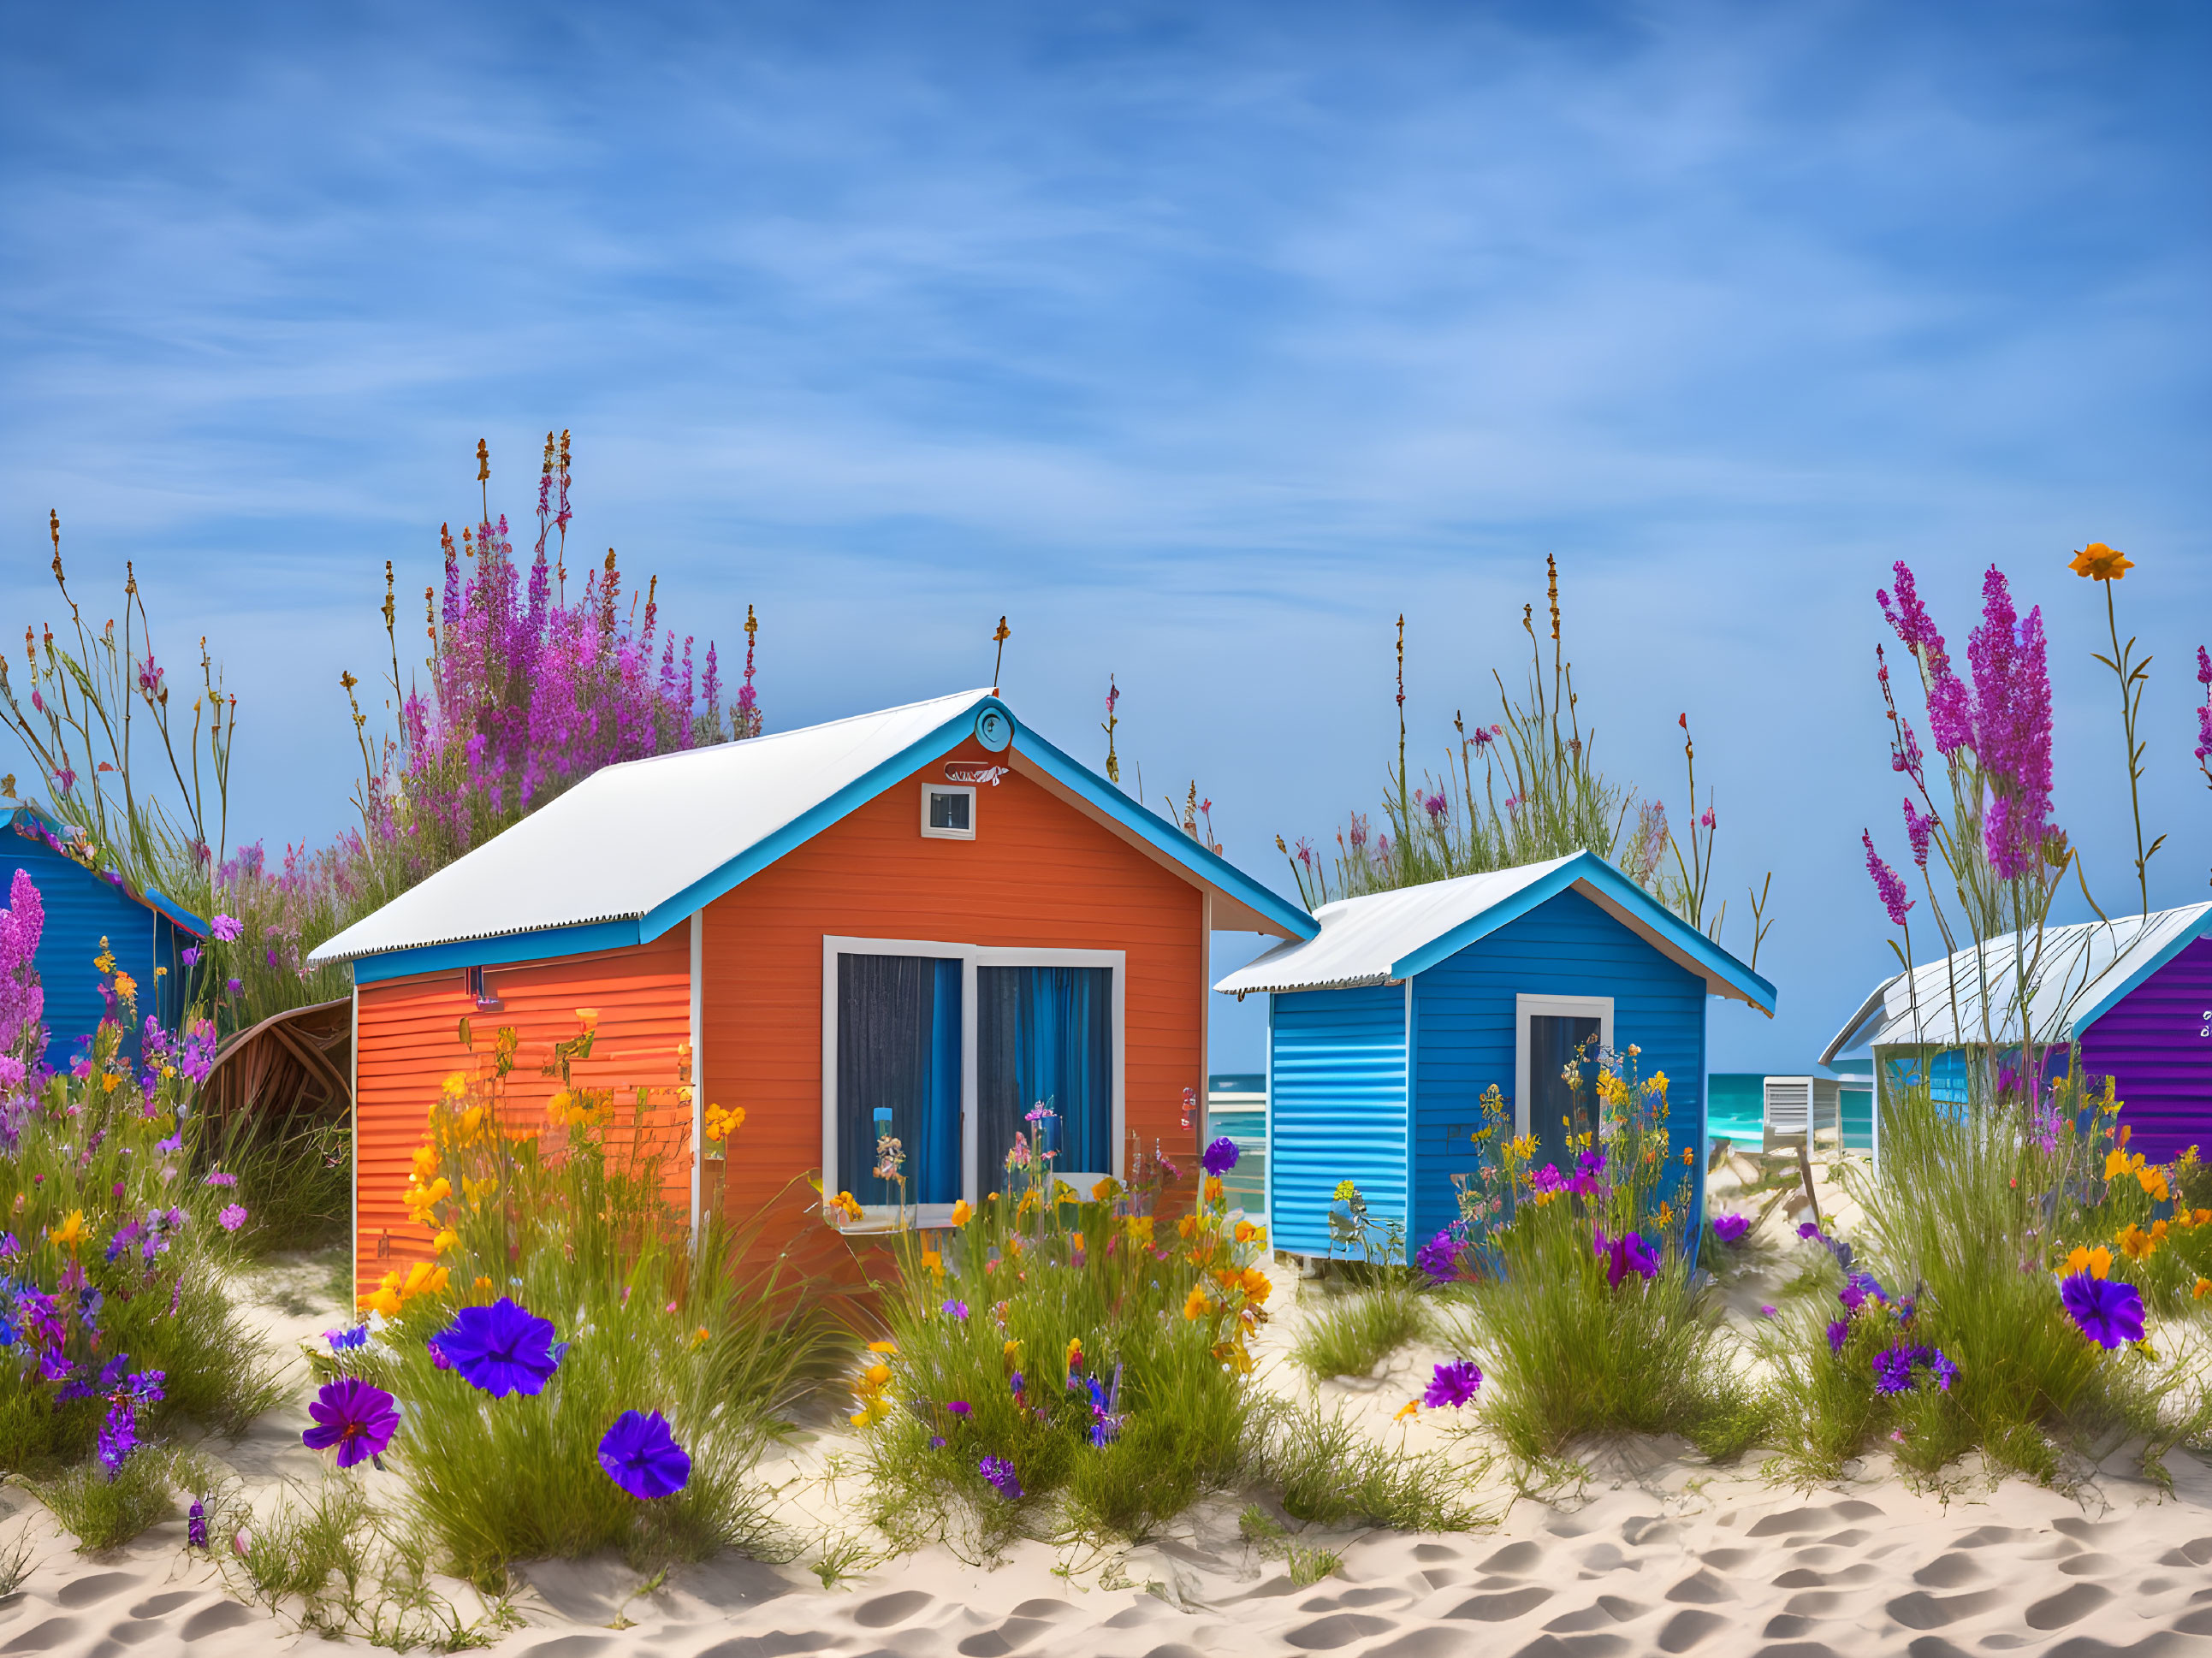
(226, 928)
(1730, 1228)
(2012, 729)
(1916, 829)
(1839, 1332)
(196, 1535)
(218, 1177)
(231, 1216)
(1887, 882)
(118, 1435)
(191, 958)
(1000, 1473)
(1220, 1157)
(640, 1455)
(1626, 1254)
(358, 1418)
(954, 1310)
(502, 1348)
(2109, 1312)
(1439, 1258)
(1893, 1369)
(1452, 1383)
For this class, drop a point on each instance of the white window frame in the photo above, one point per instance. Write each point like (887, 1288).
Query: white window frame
(930, 833)
(1573, 1007)
(884, 1216)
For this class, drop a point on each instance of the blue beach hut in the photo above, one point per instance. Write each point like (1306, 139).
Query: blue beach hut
(1385, 1028)
(148, 932)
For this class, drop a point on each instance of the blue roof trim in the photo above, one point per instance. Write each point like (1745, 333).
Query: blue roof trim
(507, 949)
(817, 817)
(1202, 862)
(1588, 866)
(2112, 998)
(152, 900)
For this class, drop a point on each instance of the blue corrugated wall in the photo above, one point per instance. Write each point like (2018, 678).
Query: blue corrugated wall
(1464, 1034)
(1336, 1107)
(81, 909)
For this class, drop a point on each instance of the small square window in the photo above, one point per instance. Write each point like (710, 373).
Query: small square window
(948, 811)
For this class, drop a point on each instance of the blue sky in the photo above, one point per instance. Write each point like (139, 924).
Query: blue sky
(1201, 341)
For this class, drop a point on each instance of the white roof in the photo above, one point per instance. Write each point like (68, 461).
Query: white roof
(631, 836)
(2073, 977)
(1361, 938)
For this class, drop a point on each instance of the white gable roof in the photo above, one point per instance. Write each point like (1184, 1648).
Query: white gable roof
(1361, 938)
(2074, 977)
(631, 836)
(1382, 936)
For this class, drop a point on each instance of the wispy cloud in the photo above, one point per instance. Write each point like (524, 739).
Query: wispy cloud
(1204, 341)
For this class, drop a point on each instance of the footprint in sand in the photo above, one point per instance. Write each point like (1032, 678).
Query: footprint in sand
(83, 1591)
(2067, 1606)
(1949, 1571)
(887, 1609)
(1515, 1560)
(1339, 1630)
(1920, 1610)
(1687, 1627)
(1701, 1588)
(1502, 1608)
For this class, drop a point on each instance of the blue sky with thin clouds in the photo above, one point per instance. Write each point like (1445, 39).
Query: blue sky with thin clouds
(1201, 341)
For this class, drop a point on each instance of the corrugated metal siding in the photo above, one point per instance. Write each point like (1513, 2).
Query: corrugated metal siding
(1463, 1010)
(1038, 873)
(1337, 1106)
(410, 1043)
(2155, 1044)
(81, 909)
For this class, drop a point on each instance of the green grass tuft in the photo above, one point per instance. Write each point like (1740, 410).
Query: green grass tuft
(1349, 1334)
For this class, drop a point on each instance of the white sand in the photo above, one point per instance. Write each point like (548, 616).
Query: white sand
(1654, 1553)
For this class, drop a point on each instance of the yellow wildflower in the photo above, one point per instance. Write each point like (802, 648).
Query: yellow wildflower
(882, 1346)
(421, 1199)
(471, 1119)
(2096, 1262)
(1213, 1188)
(877, 1376)
(1075, 1242)
(963, 1212)
(556, 1109)
(1106, 1190)
(2203, 1289)
(933, 1264)
(1411, 1407)
(1012, 1353)
(127, 986)
(2152, 1179)
(1666, 1213)
(1198, 1305)
(483, 1286)
(1140, 1230)
(1347, 1190)
(71, 1232)
(426, 1164)
(721, 1124)
(2098, 562)
(2135, 1243)
(106, 960)
(844, 1206)
(457, 1084)
(445, 1243)
(475, 1191)
(699, 1337)
(1074, 1353)
(1247, 1233)
(1257, 1285)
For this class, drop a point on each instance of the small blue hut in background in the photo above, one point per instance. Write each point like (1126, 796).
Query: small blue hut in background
(1385, 1029)
(146, 931)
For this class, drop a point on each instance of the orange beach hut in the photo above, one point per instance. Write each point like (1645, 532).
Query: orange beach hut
(919, 922)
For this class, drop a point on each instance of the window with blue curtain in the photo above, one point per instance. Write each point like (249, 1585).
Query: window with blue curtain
(898, 1074)
(1044, 1035)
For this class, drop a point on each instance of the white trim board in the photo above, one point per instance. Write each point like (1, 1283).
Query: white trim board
(971, 957)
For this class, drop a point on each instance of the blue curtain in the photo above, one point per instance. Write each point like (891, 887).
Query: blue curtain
(1044, 1034)
(898, 1073)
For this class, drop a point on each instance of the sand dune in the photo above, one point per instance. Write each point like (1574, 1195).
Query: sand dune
(1653, 1554)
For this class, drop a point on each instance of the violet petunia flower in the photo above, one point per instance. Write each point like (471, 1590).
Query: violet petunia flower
(1627, 1253)
(2107, 1311)
(356, 1417)
(641, 1455)
(1439, 1258)
(1220, 1157)
(1838, 1332)
(1730, 1228)
(1453, 1383)
(501, 1349)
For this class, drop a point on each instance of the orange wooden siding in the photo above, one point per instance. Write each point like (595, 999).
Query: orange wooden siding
(410, 1043)
(1038, 874)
